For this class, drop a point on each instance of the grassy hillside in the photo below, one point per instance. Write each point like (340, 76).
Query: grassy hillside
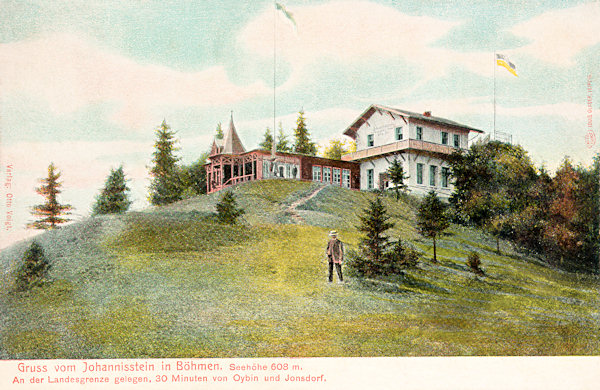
(172, 282)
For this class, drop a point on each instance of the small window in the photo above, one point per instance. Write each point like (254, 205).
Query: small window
(456, 141)
(370, 177)
(398, 133)
(419, 133)
(419, 173)
(327, 174)
(444, 138)
(336, 176)
(370, 140)
(346, 178)
(432, 174)
(316, 171)
(445, 175)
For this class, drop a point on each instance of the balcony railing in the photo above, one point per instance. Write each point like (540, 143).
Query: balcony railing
(407, 144)
(238, 179)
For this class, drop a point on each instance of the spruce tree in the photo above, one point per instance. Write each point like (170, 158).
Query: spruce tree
(374, 223)
(113, 198)
(34, 269)
(283, 145)
(227, 209)
(267, 142)
(219, 132)
(50, 214)
(397, 177)
(431, 219)
(303, 143)
(166, 184)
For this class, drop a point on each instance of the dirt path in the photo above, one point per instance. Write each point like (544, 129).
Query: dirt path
(292, 208)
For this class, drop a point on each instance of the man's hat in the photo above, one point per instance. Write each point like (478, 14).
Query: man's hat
(333, 233)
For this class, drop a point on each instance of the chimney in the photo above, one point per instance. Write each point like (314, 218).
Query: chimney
(427, 113)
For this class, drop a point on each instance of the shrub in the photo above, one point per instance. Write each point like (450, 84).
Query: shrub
(402, 256)
(358, 264)
(34, 269)
(474, 263)
(397, 258)
(227, 210)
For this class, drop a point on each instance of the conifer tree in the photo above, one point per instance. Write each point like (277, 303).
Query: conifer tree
(374, 223)
(51, 213)
(267, 142)
(303, 144)
(431, 219)
(166, 185)
(34, 269)
(219, 132)
(283, 145)
(228, 210)
(397, 177)
(113, 198)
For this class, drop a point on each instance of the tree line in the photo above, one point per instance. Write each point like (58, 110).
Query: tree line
(497, 189)
(171, 181)
(303, 143)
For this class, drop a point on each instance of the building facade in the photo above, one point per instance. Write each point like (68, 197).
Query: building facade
(229, 164)
(421, 142)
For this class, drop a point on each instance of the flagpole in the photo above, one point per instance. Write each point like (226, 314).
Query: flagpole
(274, 75)
(495, 95)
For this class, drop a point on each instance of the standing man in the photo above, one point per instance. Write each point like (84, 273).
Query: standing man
(335, 253)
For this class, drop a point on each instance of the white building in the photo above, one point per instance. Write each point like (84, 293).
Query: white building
(421, 142)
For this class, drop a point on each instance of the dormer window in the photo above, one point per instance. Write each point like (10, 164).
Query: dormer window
(419, 133)
(370, 140)
(398, 133)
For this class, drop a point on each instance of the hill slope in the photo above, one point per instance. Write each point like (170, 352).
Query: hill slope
(171, 282)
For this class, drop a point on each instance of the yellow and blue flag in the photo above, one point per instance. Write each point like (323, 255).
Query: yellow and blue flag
(503, 61)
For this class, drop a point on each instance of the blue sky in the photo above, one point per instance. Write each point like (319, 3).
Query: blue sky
(85, 83)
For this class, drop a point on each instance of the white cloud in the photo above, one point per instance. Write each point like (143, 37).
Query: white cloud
(358, 31)
(558, 36)
(70, 72)
(345, 30)
(322, 125)
(483, 105)
(84, 164)
(568, 111)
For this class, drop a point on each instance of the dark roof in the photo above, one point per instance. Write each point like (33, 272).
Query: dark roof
(351, 130)
(231, 142)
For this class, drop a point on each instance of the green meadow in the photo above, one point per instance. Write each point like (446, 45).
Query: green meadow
(173, 282)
